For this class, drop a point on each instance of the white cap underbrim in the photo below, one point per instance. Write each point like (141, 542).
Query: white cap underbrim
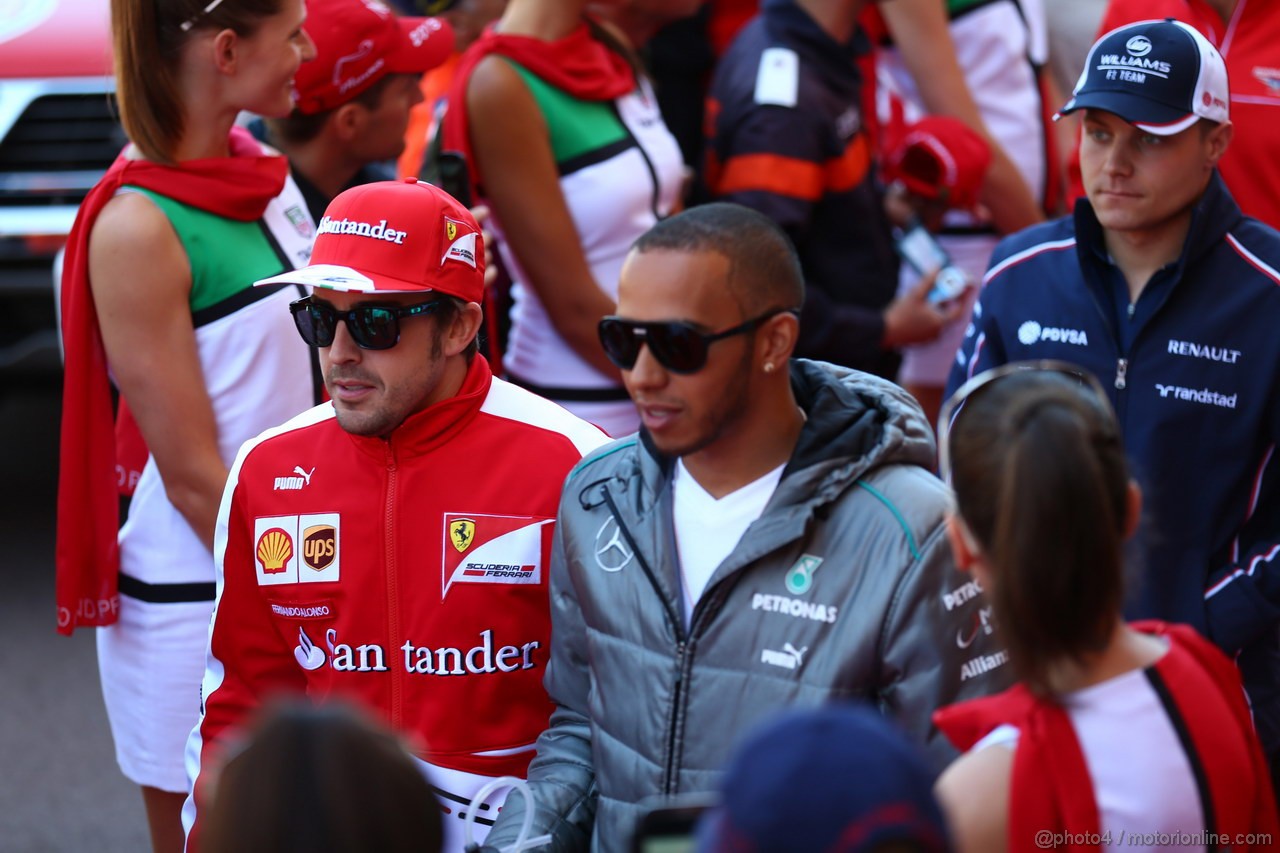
(340, 278)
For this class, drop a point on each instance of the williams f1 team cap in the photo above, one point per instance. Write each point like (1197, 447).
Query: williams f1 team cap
(1160, 76)
(358, 42)
(395, 237)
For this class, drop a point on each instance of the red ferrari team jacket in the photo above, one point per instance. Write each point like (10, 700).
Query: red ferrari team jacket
(407, 575)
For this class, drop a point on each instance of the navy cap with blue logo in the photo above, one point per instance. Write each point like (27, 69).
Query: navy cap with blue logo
(835, 779)
(1160, 76)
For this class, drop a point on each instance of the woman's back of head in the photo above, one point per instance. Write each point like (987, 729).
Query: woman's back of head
(1041, 483)
(319, 779)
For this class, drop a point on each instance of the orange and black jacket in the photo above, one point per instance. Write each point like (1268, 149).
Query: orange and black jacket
(787, 136)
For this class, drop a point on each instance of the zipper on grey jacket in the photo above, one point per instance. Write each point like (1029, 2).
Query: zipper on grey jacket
(669, 774)
(677, 624)
(703, 609)
(683, 650)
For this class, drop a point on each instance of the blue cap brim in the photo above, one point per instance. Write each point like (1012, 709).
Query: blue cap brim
(1151, 116)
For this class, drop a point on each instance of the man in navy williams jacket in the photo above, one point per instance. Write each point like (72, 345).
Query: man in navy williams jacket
(1161, 287)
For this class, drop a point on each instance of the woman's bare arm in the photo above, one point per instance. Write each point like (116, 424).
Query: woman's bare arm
(521, 184)
(141, 283)
(974, 795)
(919, 29)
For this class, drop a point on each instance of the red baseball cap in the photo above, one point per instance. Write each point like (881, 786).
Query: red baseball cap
(358, 42)
(395, 237)
(941, 158)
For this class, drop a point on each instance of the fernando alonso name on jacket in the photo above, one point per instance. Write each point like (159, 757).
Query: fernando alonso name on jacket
(421, 660)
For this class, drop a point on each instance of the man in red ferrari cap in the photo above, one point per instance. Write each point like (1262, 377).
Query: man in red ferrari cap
(353, 100)
(390, 547)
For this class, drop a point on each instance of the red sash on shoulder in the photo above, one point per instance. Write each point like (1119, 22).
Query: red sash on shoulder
(1050, 789)
(578, 64)
(97, 463)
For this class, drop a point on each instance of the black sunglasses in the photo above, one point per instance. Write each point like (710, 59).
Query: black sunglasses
(371, 326)
(677, 345)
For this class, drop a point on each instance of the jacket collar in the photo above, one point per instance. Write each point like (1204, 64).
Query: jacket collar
(854, 422)
(1215, 214)
(426, 430)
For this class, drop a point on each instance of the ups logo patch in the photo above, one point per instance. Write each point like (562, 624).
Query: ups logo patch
(319, 546)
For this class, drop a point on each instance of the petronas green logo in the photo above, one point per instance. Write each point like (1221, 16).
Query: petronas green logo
(800, 576)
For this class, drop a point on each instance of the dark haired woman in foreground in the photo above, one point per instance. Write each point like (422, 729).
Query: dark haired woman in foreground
(1129, 736)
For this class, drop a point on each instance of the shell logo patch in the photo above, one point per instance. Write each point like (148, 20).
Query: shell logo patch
(275, 549)
(292, 549)
(498, 549)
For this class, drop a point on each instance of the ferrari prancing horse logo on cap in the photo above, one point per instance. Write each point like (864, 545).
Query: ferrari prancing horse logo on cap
(451, 230)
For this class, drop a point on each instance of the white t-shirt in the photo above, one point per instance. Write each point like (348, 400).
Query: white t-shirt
(1141, 777)
(707, 529)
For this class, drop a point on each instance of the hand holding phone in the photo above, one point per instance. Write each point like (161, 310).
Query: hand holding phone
(923, 254)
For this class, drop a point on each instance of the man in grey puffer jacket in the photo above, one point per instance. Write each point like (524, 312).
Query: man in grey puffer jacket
(771, 538)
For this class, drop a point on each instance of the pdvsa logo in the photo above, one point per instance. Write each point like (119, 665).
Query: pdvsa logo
(297, 548)
(1032, 332)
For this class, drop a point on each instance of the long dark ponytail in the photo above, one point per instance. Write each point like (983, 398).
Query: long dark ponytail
(1041, 481)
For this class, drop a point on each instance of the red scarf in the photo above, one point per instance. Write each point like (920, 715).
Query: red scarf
(579, 64)
(1051, 789)
(95, 465)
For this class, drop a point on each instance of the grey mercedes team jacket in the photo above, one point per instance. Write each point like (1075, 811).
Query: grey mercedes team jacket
(843, 589)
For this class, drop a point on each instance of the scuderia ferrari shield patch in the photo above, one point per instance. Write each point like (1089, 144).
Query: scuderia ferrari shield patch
(462, 243)
(503, 549)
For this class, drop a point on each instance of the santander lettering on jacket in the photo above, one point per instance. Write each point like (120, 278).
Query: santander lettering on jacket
(422, 660)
